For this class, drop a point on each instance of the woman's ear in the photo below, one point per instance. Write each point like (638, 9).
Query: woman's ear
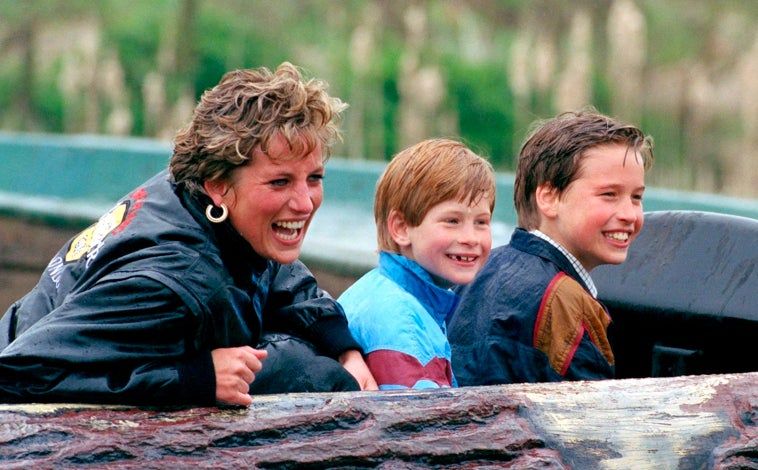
(216, 190)
(398, 228)
(547, 198)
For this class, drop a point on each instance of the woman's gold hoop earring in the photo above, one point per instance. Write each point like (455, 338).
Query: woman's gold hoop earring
(219, 219)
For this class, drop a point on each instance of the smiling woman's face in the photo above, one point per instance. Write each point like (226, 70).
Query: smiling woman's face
(272, 200)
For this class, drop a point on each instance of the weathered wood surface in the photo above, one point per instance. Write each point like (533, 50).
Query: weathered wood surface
(675, 423)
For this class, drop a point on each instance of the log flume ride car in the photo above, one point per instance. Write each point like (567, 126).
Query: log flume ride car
(685, 324)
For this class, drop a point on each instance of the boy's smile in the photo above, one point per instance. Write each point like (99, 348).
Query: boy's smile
(599, 214)
(452, 242)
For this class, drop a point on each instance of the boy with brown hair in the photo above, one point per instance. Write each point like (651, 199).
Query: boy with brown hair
(531, 314)
(432, 208)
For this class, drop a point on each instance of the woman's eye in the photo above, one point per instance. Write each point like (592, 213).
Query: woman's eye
(279, 182)
(316, 178)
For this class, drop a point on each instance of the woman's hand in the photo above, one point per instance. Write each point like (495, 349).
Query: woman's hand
(353, 362)
(235, 371)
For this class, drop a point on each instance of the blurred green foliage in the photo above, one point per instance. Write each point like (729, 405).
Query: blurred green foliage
(192, 43)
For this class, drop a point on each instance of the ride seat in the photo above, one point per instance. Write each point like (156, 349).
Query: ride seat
(686, 299)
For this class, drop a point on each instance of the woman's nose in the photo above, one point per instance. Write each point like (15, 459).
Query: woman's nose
(302, 199)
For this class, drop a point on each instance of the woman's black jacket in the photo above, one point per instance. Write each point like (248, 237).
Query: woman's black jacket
(129, 310)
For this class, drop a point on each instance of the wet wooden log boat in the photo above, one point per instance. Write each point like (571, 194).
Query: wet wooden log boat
(684, 422)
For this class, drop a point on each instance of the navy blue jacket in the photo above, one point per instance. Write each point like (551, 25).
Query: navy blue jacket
(130, 309)
(528, 317)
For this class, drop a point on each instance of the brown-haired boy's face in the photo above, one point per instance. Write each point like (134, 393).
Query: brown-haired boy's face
(600, 213)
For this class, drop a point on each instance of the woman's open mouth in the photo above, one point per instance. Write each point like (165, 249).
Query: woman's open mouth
(288, 230)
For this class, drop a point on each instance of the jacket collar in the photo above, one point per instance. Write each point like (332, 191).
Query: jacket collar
(236, 253)
(531, 243)
(408, 274)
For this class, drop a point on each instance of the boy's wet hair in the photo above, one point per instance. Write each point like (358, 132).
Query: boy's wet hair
(553, 151)
(424, 175)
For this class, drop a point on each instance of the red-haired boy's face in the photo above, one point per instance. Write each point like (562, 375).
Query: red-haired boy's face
(452, 242)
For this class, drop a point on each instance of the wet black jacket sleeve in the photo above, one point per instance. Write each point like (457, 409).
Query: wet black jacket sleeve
(296, 305)
(132, 348)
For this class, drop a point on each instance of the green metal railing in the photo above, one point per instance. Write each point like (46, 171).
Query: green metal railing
(75, 178)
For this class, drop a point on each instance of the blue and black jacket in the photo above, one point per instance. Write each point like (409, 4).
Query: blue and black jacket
(397, 314)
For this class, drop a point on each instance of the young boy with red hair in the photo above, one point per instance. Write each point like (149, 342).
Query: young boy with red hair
(433, 208)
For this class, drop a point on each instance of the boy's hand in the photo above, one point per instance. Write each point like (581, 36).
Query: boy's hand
(353, 362)
(235, 371)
